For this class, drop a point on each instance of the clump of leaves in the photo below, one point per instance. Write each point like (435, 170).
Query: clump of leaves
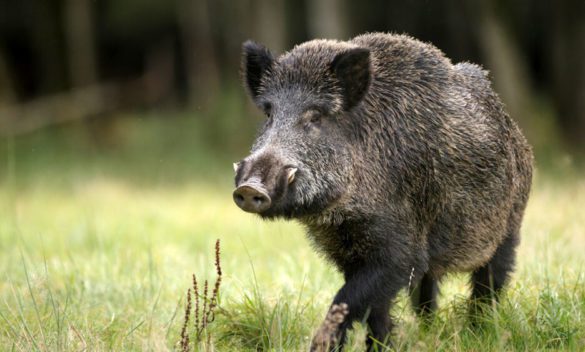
(204, 311)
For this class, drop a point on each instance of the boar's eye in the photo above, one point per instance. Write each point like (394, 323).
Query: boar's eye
(315, 117)
(312, 119)
(267, 108)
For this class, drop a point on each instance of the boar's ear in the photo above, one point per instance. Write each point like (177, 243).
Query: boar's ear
(256, 61)
(352, 69)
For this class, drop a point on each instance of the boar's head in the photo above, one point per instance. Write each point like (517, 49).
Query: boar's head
(302, 160)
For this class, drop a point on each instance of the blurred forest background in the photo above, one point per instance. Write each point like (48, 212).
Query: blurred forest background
(94, 62)
(119, 123)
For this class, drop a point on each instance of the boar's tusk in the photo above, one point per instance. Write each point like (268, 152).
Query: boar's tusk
(291, 174)
(236, 165)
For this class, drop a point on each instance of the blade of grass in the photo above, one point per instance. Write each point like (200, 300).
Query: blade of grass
(24, 326)
(34, 301)
(134, 328)
(172, 320)
(53, 303)
(9, 324)
(152, 315)
(65, 309)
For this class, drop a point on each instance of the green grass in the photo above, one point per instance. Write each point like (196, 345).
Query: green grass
(97, 248)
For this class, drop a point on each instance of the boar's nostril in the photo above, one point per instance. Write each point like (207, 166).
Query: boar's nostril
(252, 199)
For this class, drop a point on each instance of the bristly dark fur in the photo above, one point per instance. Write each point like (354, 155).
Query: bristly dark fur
(408, 167)
(352, 69)
(258, 60)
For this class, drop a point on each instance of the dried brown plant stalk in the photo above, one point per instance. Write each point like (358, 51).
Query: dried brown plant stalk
(203, 325)
(196, 291)
(204, 312)
(184, 333)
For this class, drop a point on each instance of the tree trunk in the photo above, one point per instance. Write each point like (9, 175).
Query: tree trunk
(81, 50)
(198, 51)
(509, 71)
(568, 61)
(7, 94)
(326, 19)
(271, 25)
(46, 46)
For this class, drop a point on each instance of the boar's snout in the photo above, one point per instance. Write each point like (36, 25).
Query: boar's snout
(252, 198)
(262, 182)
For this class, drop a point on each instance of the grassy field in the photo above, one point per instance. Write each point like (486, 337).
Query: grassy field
(97, 248)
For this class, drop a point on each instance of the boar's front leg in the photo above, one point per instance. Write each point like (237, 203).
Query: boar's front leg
(367, 294)
(327, 337)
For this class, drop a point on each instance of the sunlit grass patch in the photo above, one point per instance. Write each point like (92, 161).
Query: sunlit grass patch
(97, 255)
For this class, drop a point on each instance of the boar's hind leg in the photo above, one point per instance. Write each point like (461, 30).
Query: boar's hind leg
(424, 296)
(379, 325)
(489, 280)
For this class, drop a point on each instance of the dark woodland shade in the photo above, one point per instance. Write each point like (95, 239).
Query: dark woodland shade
(257, 59)
(352, 68)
